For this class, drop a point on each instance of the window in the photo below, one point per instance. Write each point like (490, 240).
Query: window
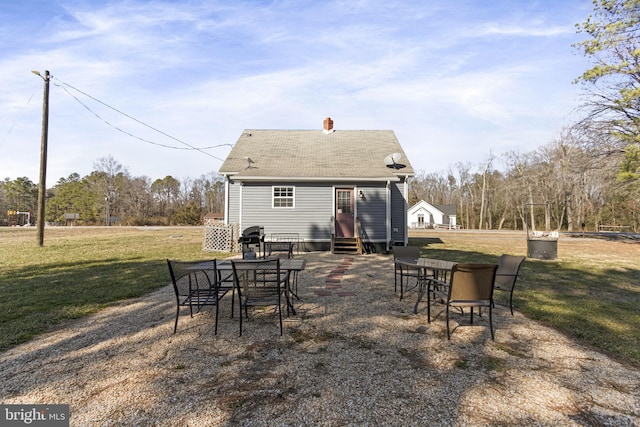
(283, 197)
(344, 201)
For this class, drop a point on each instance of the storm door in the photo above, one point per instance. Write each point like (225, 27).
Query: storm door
(344, 212)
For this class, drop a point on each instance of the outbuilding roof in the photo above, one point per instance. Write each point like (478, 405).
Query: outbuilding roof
(316, 154)
(444, 209)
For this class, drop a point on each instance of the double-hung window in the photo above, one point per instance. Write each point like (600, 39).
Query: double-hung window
(283, 196)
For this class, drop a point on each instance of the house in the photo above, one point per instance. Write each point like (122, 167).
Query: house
(426, 215)
(213, 217)
(329, 186)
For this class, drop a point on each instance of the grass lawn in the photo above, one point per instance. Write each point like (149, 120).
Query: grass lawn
(80, 270)
(591, 292)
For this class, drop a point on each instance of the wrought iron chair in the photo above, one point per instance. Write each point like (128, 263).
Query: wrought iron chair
(470, 285)
(260, 282)
(507, 274)
(196, 285)
(278, 248)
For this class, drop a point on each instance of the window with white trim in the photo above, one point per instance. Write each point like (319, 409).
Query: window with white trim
(283, 197)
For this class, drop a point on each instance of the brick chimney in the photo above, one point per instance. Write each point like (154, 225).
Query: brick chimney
(328, 124)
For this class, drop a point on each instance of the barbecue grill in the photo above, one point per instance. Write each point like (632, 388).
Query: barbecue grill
(252, 237)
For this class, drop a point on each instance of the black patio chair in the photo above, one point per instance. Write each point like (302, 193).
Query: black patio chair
(404, 271)
(196, 285)
(260, 282)
(507, 274)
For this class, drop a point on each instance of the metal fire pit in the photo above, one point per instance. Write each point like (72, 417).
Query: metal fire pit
(541, 244)
(542, 248)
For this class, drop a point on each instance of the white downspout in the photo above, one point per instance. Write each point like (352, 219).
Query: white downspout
(227, 197)
(405, 210)
(240, 196)
(388, 215)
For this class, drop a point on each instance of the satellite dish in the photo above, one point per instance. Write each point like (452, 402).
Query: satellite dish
(392, 161)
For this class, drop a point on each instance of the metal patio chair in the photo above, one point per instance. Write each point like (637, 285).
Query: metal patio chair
(470, 285)
(260, 282)
(507, 274)
(404, 271)
(196, 285)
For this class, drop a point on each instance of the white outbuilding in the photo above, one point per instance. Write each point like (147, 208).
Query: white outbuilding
(425, 215)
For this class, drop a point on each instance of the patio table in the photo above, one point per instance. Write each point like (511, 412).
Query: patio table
(291, 265)
(440, 269)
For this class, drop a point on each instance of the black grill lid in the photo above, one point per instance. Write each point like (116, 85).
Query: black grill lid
(254, 230)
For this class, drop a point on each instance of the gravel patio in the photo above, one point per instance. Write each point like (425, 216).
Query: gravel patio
(354, 355)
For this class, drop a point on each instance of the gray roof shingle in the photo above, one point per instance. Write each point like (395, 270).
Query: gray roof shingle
(357, 154)
(447, 209)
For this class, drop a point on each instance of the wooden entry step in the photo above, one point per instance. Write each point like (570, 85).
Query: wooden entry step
(346, 245)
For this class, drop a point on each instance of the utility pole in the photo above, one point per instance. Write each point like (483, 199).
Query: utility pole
(42, 186)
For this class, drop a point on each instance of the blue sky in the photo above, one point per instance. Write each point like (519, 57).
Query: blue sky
(457, 80)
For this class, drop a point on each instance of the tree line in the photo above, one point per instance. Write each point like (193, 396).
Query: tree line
(111, 196)
(571, 182)
(559, 186)
(563, 185)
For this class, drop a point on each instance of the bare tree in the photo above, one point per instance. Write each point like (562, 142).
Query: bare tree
(108, 178)
(483, 194)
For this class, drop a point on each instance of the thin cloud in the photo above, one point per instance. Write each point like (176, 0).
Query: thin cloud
(521, 31)
(437, 74)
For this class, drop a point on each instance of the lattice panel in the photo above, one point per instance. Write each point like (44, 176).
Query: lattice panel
(220, 238)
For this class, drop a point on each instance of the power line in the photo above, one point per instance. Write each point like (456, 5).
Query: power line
(64, 86)
(14, 121)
